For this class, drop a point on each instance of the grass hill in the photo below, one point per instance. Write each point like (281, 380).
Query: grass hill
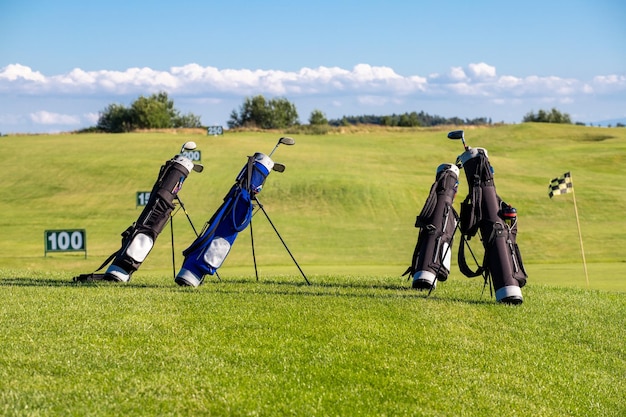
(358, 341)
(347, 199)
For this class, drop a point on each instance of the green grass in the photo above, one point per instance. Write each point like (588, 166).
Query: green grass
(349, 345)
(357, 341)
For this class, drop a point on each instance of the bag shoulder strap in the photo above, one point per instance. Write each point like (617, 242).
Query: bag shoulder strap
(462, 261)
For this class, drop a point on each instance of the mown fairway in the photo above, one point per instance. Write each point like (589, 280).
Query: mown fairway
(357, 341)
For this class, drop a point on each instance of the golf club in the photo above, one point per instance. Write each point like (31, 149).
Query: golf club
(285, 140)
(190, 146)
(278, 167)
(456, 135)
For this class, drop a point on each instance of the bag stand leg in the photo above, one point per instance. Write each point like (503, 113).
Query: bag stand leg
(279, 237)
(182, 206)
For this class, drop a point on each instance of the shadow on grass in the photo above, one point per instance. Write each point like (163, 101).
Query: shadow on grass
(35, 282)
(265, 287)
(58, 282)
(329, 289)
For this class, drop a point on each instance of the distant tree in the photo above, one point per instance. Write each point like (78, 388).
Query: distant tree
(387, 121)
(409, 120)
(542, 116)
(154, 112)
(115, 119)
(252, 113)
(258, 112)
(188, 120)
(457, 121)
(317, 118)
(283, 113)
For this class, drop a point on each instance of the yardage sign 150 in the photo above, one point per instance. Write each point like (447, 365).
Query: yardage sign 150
(66, 240)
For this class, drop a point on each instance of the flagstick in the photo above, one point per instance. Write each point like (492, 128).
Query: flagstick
(580, 236)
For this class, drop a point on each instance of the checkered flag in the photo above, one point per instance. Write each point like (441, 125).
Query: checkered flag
(561, 185)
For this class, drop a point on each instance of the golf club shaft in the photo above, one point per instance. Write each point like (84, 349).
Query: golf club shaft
(273, 150)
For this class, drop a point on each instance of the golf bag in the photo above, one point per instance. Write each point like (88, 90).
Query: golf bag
(138, 239)
(437, 223)
(207, 253)
(483, 210)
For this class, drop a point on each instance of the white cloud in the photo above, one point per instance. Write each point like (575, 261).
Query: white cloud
(608, 83)
(457, 73)
(610, 79)
(15, 72)
(192, 80)
(48, 118)
(482, 70)
(364, 88)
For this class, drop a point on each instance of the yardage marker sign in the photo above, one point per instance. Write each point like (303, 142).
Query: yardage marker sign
(68, 240)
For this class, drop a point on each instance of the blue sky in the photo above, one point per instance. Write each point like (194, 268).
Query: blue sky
(62, 62)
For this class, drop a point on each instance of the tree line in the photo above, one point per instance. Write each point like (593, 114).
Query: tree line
(279, 113)
(158, 112)
(412, 119)
(552, 116)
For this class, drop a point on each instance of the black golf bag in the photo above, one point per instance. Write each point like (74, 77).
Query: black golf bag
(139, 238)
(483, 210)
(437, 223)
(207, 253)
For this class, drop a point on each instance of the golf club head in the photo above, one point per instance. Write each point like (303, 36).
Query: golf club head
(198, 167)
(188, 146)
(456, 135)
(285, 140)
(278, 167)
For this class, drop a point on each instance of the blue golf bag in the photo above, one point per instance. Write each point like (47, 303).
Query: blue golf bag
(207, 253)
(483, 210)
(437, 223)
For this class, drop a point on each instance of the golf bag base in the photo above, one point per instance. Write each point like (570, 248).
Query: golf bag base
(117, 274)
(424, 280)
(209, 251)
(437, 222)
(135, 248)
(484, 211)
(510, 294)
(186, 278)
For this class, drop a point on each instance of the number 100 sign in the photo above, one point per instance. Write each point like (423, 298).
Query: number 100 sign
(72, 240)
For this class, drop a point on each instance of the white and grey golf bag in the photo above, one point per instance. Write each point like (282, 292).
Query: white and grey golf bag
(207, 253)
(437, 223)
(138, 239)
(483, 210)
